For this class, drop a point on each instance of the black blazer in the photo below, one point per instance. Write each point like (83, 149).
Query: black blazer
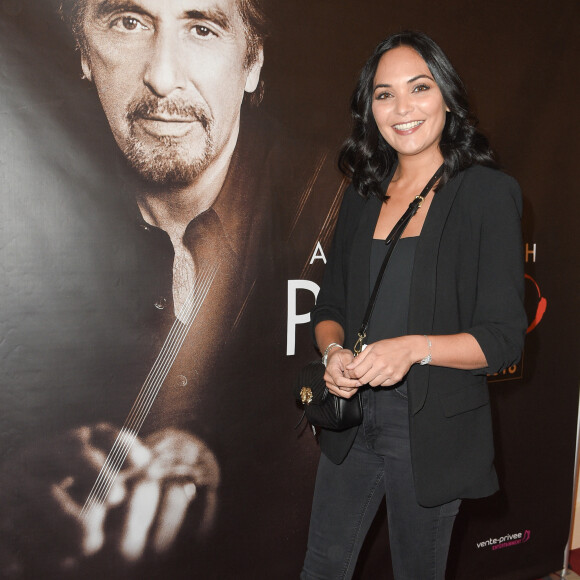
(467, 277)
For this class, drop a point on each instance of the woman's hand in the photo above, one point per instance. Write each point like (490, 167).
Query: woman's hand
(339, 380)
(384, 363)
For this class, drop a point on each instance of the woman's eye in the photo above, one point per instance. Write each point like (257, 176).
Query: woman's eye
(382, 96)
(420, 88)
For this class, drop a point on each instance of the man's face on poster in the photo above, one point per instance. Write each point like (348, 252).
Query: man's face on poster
(171, 76)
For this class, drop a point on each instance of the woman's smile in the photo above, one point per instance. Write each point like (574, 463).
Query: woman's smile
(407, 128)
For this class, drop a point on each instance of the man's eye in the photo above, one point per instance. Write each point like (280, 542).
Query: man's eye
(202, 31)
(128, 23)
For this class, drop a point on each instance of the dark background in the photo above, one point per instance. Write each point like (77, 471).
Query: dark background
(520, 64)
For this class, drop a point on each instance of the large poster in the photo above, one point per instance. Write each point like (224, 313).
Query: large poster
(168, 193)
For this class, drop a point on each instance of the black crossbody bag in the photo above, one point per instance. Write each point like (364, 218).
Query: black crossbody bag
(321, 408)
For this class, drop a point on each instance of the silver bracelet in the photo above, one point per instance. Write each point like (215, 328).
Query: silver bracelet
(327, 351)
(427, 359)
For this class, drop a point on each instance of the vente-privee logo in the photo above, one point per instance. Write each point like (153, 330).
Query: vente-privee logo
(506, 541)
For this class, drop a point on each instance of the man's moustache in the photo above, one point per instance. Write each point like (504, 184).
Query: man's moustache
(151, 107)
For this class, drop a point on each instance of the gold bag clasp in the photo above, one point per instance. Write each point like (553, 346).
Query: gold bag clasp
(306, 395)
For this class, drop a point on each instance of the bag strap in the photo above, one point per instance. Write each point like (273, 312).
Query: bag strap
(391, 242)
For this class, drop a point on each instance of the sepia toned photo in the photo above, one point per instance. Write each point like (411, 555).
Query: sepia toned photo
(169, 194)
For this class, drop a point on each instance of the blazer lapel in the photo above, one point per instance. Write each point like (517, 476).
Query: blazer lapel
(424, 280)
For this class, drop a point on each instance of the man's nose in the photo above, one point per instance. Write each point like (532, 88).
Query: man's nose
(164, 72)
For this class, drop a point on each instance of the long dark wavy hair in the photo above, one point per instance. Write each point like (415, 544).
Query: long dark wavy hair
(366, 158)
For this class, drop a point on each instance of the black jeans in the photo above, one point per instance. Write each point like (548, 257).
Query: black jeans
(347, 497)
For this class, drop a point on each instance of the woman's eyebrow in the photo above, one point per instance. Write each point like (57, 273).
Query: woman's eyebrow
(422, 76)
(411, 80)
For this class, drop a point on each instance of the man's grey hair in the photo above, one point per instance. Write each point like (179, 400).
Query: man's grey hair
(251, 12)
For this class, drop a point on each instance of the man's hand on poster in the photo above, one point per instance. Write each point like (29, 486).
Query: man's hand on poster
(142, 512)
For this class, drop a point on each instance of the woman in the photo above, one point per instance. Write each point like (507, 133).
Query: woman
(449, 311)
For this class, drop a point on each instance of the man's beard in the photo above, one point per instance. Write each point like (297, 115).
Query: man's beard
(170, 162)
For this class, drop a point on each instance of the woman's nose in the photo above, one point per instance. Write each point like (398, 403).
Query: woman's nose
(404, 105)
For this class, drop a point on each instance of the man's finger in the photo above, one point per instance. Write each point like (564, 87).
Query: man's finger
(172, 512)
(140, 516)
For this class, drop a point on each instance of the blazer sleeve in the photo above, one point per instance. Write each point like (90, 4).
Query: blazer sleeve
(500, 320)
(331, 302)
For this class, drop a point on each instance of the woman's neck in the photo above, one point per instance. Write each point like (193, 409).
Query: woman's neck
(416, 168)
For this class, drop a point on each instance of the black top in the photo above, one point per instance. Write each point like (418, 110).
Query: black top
(389, 318)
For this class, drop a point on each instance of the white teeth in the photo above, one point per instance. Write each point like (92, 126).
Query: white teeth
(407, 126)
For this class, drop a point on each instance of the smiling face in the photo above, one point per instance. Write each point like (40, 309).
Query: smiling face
(171, 77)
(408, 106)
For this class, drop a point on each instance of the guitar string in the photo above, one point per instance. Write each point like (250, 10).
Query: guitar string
(148, 393)
(145, 399)
(129, 431)
(150, 389)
